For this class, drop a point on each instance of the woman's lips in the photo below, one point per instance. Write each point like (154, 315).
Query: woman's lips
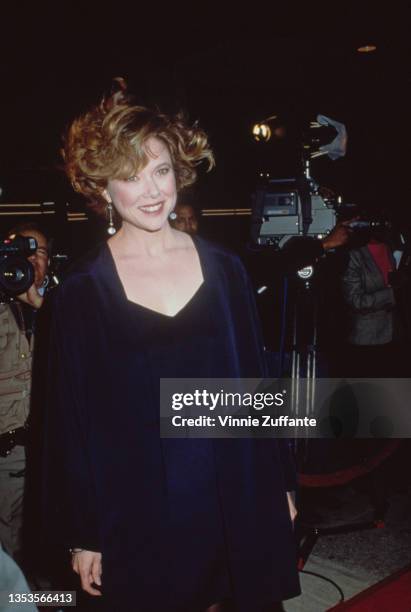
(152, 209)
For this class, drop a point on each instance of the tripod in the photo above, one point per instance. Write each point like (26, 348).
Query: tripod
(306, 365)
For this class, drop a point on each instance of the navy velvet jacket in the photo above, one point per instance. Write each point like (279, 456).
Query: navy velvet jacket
(107, 481)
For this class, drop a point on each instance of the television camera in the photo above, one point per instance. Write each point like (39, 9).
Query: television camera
(291, 207)
(16, 272)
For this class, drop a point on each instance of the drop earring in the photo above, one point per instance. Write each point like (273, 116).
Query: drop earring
(111, 230)
(172, 216)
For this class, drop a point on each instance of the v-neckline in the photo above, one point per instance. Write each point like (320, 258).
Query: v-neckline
(146, 308)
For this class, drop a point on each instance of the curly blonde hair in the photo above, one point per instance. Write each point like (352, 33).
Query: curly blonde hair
(108, 143)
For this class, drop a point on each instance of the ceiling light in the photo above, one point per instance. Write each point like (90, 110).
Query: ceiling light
(367, 49)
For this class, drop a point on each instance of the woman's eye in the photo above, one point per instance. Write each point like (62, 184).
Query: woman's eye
(132, 179)
(163, 171)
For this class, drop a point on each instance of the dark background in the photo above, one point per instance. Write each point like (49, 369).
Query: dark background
(57, 60)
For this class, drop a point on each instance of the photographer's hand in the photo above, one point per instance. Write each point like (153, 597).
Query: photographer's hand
(339, 235)
(32, 297)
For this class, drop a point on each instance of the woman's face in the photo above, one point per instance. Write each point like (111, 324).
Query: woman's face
(146, 200)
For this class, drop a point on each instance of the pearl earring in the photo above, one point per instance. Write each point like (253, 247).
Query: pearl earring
(111, 230)
(172, 216)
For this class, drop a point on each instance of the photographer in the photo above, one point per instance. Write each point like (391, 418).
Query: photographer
(17, 323)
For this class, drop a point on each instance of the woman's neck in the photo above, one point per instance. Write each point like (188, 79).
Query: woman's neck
(136, 241)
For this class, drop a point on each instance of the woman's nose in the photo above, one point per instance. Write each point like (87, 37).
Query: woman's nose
(151, 189)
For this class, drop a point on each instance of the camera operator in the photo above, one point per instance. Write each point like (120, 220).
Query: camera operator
(17, 325)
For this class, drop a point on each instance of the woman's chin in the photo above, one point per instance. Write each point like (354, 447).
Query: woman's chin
(148, 225)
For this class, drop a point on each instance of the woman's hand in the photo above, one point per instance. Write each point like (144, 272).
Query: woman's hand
(291, 506)
(87, 564)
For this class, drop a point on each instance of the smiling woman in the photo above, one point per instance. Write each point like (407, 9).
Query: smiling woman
(146, 199)
(110, 142)
(185, 525)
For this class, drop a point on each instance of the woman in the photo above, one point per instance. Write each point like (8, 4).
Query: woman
(158, 525)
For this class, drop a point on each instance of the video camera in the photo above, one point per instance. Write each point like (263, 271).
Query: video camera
(16, 272)
(291, 207)
(285, 208)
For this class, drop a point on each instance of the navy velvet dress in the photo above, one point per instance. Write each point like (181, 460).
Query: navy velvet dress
(181, 524)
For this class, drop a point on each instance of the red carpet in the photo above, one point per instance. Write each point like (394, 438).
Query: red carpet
(393, 594)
